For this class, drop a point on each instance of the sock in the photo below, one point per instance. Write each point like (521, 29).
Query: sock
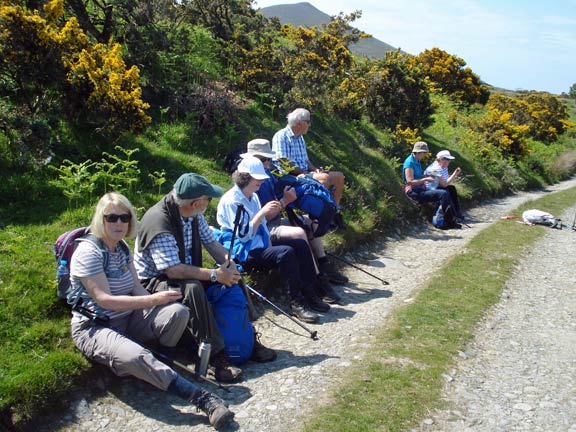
(184, 389)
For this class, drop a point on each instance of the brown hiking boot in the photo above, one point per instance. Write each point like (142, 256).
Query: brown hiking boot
(260, 353)
(334, 275)
(223, 369)
(218, 413)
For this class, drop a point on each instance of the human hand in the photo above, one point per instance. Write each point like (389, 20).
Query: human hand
(165, 297)
(228, 274)
(457, 171)
(272, 208)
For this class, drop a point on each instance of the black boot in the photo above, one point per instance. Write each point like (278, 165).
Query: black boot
(326, 291)
(215, 408)
(218, 413)
(317, 304)
(300, 310)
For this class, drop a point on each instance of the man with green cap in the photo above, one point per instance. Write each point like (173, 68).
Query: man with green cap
(168, 252)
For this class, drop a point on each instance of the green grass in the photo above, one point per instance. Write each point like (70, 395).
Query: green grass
(38, 361)
(400, 380)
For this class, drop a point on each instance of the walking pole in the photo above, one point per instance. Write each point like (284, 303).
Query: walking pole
(103, 321)
(245, 286)
(357, 268)
(313, 334)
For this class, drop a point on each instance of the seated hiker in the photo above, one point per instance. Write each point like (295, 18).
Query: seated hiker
(252, 247)
(289, 143)
(439, 169)
(281, 229)
(114, 315)
(417, 186)
(169, 251)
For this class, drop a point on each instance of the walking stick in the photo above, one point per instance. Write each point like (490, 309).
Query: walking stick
(102, 320)
(313, 333)
(357, 268)
(245, 286)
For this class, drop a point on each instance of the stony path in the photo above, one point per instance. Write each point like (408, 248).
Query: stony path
(275, 396)
(519, 374)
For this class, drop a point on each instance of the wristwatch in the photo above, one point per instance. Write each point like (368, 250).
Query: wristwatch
(213, 276)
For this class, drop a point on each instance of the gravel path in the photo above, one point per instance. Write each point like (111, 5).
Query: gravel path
(532, 344)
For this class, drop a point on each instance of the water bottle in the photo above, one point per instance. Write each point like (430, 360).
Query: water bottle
(204, 355)
(434, 184)
(63, 278)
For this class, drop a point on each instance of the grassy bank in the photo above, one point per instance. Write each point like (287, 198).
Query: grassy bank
(38, 362)
(400, 380)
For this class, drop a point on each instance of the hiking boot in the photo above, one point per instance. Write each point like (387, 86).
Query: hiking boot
(317, 304)
(260, 353)
(300, 311)
(455, 225)
(218, 413)
(223, 370)
(326, 291)
(334, 275)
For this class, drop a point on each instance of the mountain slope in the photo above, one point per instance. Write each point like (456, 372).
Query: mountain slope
(306, 15)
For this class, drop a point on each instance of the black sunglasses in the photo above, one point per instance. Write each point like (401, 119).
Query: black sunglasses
(113, 218)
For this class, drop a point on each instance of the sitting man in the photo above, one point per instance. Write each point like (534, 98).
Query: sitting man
(280, 229)
(289, 143)
(240, 211)
(169, 251)
(439, 169)
(417, 187)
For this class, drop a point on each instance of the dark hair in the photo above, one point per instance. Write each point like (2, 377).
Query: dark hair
(241, 179)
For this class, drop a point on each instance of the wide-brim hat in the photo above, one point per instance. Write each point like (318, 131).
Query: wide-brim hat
(253, 166)
(259, 147)
(192, 186)
(420, 147)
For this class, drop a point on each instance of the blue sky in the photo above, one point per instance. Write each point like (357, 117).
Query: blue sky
(514, 44)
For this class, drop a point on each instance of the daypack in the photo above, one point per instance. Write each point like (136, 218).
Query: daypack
(539, 217)
(442, 219)
(232, 160)
(312, 198)
(230, 309)
(65, 246)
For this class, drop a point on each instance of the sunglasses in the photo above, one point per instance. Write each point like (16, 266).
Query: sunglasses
(264, 159)
(113, 218)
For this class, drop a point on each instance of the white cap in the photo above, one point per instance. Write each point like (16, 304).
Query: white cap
(254, 167)
(444, 154)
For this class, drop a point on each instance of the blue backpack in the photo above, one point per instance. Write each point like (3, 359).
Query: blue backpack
(230, 310)
(312, 198)
(443, 220)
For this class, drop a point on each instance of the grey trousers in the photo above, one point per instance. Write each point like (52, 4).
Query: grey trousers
(202, 324)
(113, 345)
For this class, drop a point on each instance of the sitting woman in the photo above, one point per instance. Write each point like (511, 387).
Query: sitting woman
(113, 315)
(253, 249)
(423, 188)
(439, 169)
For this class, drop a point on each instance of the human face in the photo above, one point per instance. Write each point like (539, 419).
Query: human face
(114, 228)
(265, 161)
(443, 162)
(253, 186)
(419, 155)
(305, 125)
(199, 205)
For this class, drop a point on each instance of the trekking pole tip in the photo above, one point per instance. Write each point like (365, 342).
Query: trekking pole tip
(314, 335)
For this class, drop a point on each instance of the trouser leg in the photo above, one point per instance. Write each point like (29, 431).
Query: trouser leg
(163, 324)
(122, 354)
(283, 258)
(454, 197)
(202, 324)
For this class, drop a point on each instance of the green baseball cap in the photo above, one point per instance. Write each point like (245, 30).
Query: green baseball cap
(192, 185)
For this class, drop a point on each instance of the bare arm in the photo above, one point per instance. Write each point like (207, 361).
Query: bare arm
(410, 180)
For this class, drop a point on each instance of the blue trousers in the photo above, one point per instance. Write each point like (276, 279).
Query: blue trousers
(434, 195)
(294, 262)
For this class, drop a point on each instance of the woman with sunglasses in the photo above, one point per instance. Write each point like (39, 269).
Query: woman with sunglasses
(127, 315)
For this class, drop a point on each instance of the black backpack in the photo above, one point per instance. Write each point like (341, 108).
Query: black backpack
(232, 160)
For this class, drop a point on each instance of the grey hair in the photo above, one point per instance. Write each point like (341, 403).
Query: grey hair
(299, 114)
(181, 202)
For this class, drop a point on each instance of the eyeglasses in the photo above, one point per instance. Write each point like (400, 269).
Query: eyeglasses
(113, 218)
(264, 159)
(307, 121)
